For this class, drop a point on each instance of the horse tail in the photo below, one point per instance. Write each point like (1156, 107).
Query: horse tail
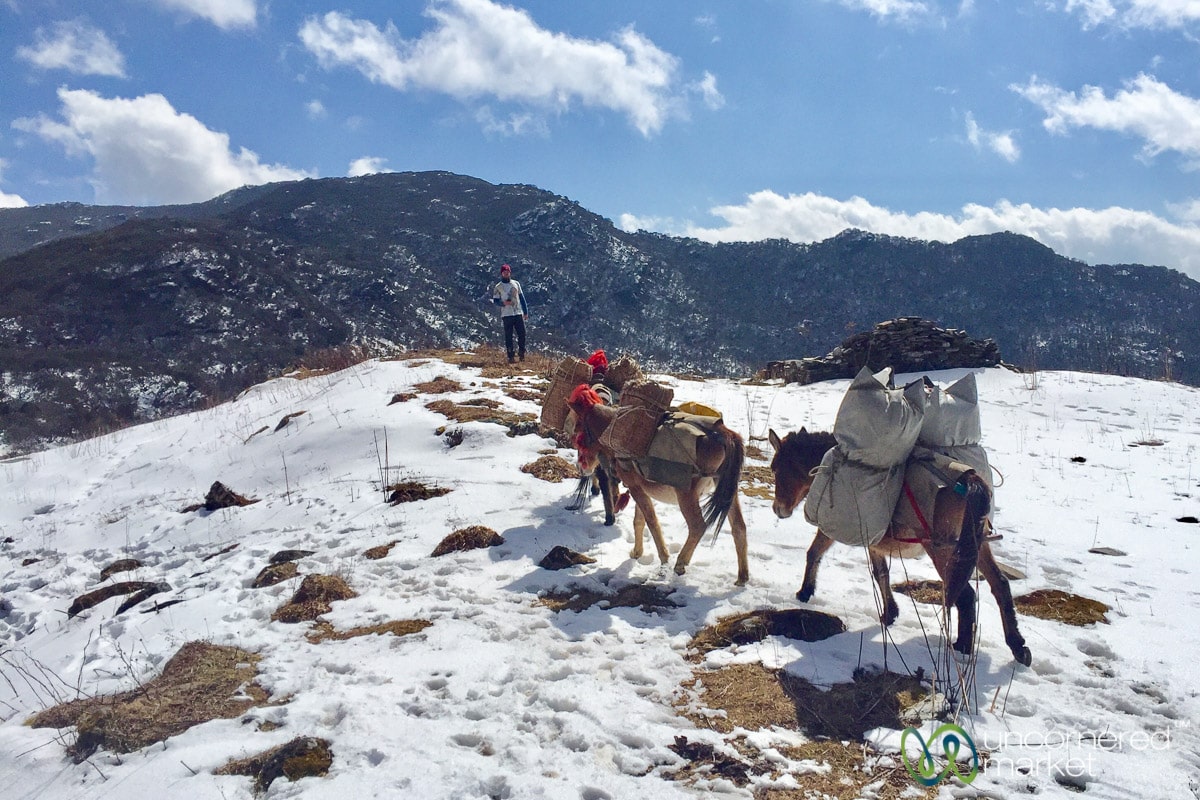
(728, 476)
(970, 538)
(582, 493)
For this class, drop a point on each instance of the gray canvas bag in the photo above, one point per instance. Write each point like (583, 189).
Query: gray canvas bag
(859, 481)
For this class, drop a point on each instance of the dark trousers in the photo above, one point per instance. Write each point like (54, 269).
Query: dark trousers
(514, 324)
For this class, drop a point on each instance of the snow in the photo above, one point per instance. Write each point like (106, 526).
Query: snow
(503, 697)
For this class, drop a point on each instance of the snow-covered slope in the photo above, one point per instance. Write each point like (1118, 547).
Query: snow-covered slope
(504, 697)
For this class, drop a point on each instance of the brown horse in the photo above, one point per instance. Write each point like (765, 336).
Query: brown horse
(719, 458)
(956, 540)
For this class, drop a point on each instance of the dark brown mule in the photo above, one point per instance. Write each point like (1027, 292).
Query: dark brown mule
(719, 457)
(956, 540)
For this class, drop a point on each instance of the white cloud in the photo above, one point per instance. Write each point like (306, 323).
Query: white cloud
(77, 47)
(1002, 144)
(144, 152)
(1109, 235)
(225, 14)
(1146, 108)
(706, 87)
(898, 9)
(1136, 13)
(480, 49)
(315, 109)
(367, 165)
(9, 200)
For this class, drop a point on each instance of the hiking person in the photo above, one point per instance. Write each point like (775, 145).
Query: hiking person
(513, 311)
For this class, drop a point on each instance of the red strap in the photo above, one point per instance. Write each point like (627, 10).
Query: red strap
(912, 501)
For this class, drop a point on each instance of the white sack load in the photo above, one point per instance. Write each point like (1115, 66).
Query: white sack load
(851, 502)
(878, 426)
(859, 481)
(952, 426)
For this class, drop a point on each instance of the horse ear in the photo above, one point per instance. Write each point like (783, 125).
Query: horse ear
(803, 429)
(773, 437)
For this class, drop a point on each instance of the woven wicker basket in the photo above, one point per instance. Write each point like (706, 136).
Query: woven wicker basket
(569, 373)
(643, 404)
(622, 371)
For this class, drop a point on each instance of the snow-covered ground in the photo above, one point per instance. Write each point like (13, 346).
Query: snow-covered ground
(503, 697)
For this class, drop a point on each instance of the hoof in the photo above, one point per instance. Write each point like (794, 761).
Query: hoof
(804, 595)
(742, 580)
(610, 521)
(963, 647)
(1023, 656)
(679, 568)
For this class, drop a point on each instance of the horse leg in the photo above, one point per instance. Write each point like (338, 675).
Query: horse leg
(607, 488)
(965, 604)
(882, 575)
(737, 524)
(689, 504)
(1008, 612)
(820, 544)
(646, 515)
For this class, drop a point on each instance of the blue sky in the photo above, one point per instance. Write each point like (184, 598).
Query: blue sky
(1076, 122)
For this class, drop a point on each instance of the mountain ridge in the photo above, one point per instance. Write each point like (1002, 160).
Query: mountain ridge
(152, 312)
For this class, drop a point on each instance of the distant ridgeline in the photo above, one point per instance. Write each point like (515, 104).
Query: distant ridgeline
(907, 344)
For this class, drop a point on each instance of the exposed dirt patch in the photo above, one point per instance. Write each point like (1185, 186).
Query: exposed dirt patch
(439, 385)
(323, 632)
(302, 757)
(926, 591)
(635, 595)
(138, 589)
(275, 573)
(855, 771)
(380, 551)
(473, 537)
(286, 419)
(552, 468)
(121, 565)
(313, 598)
(561, 557)
(801, 624)
(283, 556)
(402, 397)
(201, 682)
(220, 496)
(411, 491)
(1061, 606)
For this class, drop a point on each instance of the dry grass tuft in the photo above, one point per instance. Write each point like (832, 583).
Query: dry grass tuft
(923, 591)
(749, 697)
(754, 697)
(302, 757)
(1061, 606)
(520, 393)
(313, 599)
(636, 595)
(323, 632)
(439, 385)
(758, 481)
(801, 624)
(411, 491)
(517, 424)
(474, 537)
(201, 682)
(552, 468)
